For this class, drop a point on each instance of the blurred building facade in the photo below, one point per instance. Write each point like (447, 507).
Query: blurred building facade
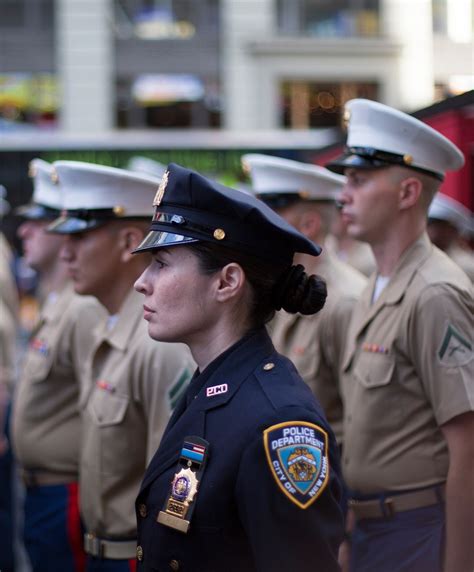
(95, 65)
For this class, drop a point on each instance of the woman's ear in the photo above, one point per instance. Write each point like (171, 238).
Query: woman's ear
(231, 282)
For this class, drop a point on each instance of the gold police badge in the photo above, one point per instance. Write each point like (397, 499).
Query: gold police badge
(161, 190)
(183, 490)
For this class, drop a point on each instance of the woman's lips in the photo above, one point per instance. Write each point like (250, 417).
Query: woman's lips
(147, 312)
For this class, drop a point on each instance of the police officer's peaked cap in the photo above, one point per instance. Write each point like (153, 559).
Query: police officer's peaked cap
(448, 209)
(280, 182)
(190, 208)
(46, 200)
(379, 136)
(94, 194)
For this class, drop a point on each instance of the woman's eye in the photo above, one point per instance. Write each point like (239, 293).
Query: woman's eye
(159, 263)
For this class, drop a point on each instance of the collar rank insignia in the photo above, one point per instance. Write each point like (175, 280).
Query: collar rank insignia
(180, 503)
(297, 455)
(161, 190)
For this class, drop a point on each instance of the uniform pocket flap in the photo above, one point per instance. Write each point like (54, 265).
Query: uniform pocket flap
(107, 408)
(38, 364)
(374, 369)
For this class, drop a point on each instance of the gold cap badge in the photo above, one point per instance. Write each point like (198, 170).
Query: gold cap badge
(119, 210)
(407, 159)
(219, 234)
(161, 190)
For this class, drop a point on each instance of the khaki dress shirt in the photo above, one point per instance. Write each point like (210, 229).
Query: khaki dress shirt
(133, 384)
(46, 420)
(359, 255)
(464, 259)
(8, 317)
(408, 369)
(315, 343)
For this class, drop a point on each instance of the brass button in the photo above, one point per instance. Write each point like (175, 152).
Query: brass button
(174, 564)
(142, 510)
(268, 366)
(219, 234)
(139, 553)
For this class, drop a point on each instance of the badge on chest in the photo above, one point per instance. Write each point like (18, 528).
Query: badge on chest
(181, 500)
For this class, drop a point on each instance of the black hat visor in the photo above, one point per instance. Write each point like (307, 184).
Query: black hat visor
(347, 160)
(35, 211)
(73, 225)
(369, 158)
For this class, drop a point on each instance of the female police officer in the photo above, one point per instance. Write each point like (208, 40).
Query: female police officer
(246, 476)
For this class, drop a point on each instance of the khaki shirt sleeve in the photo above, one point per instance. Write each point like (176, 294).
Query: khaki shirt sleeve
(334, 332)
(442, 349)
(163, 380)
(82, 341)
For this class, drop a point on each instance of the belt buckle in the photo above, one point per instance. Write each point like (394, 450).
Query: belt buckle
(93, 545)
(388, 507)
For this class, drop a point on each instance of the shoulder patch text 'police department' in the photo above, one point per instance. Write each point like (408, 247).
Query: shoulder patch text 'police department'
(297, 453)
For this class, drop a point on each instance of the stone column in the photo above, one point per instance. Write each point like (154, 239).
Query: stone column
(243, 22)
(409, 23)
(85, 64)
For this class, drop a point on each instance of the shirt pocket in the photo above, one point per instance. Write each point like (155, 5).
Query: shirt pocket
(107, 407)
(374, 370)
(38, 365)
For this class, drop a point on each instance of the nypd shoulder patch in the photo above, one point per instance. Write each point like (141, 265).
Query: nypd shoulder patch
(297, 454)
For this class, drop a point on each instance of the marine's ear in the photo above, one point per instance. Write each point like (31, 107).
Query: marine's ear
(129, 237)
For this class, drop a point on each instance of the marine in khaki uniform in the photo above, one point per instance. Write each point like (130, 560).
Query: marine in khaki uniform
(8, 316)
(408, 369)
(46, 421)
(353, 252)
(131, 383)
(304, 195)
(8, 330)
(448, 222)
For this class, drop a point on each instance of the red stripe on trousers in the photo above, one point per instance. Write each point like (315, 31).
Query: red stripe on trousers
(132, 564)
(74, 529)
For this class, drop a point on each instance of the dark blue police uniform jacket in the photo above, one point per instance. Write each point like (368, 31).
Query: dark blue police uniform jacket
(243, 520)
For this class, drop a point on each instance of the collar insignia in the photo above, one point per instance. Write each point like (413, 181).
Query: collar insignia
(217, 390)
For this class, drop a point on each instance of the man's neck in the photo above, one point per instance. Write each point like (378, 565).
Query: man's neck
(397, 240)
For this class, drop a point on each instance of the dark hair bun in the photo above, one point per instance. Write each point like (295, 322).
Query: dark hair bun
(297, 292)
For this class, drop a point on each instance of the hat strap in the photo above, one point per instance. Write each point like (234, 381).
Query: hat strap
(391, 158)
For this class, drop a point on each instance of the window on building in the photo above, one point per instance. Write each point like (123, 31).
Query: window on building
(168, 101)
(329, 18)
(307, 104)
(27, 15)
(165, 19)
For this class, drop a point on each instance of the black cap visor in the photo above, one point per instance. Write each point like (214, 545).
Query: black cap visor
(73, 225)
(35, 211)
(172, 229)
(369, 158)
(279, 200)
(160, 239)
(348, 160)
